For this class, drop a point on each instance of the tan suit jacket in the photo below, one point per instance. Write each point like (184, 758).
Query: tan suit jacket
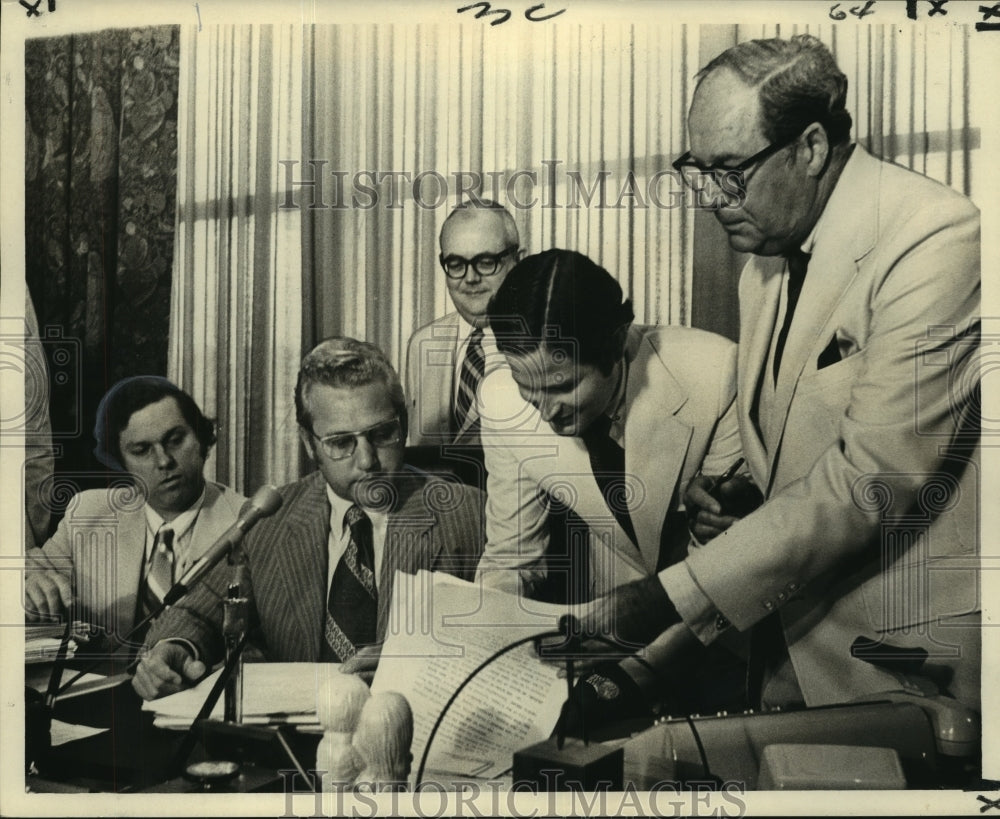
(679, 419)
(869, 528)
(100, 545)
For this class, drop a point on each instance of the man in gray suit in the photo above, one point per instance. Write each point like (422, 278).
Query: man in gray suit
(118, 550)
(321, 571)
(857, 397)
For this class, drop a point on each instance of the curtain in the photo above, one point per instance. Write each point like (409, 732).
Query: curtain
(318, 163)
(100, 192)
(236, 310)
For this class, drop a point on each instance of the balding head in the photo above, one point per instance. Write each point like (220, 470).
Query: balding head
(481, 231)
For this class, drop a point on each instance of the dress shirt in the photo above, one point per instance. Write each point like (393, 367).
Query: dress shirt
(182, 526)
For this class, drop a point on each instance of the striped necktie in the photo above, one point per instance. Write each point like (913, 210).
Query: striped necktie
(160, 575)
(352, 606)
(473, 369)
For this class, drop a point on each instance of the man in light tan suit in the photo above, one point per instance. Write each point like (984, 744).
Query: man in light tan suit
(101, 565)
(858, 390)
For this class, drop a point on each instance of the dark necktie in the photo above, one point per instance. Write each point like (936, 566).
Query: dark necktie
(607, 460)
(798, 262)
(471, 373)
(352, 606)
(160, 576)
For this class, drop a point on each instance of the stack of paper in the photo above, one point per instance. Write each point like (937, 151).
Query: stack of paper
(273, 694)
(41, 643)
(441, 629)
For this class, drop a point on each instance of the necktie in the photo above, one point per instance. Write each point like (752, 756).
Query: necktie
(607, 460)
(798, 262)
(473, 368)
(352, 607)
(160, 576)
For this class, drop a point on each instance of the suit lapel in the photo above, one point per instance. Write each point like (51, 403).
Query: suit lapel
(759, 317)
(437, 369)
(299, 556)
(656, 442)
(847, 234)
(130, 553)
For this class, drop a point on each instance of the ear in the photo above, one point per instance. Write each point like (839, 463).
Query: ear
(817, 149)
(619, 339)
(307, 442)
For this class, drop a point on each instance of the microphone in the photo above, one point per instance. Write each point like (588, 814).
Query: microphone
(264, 503)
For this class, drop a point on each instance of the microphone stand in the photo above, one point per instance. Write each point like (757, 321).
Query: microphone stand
(234, 628)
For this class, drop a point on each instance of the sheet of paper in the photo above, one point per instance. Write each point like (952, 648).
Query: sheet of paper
(440, 630)
(272, 693)
(63, 732)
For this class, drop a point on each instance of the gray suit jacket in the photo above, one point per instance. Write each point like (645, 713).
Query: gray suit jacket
(869, 528)
(435, 525)
(100, 546)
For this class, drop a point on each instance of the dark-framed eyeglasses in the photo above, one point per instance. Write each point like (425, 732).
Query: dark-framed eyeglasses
(689, 167)
(485, 264)
(341, 445)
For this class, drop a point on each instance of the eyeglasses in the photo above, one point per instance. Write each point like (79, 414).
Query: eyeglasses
(485, 264)
(689, 167)
(342, 444)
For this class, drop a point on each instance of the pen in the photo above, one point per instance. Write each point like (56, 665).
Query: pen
(726, 476)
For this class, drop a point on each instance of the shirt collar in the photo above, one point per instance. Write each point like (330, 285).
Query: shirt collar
(338, 511)
(181, 523)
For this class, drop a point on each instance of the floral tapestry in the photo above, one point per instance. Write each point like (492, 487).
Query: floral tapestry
(100, 193)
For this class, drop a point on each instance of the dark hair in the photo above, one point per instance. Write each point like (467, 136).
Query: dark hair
(797, 81)
(346, 362)
(561, 299)
(127, 397)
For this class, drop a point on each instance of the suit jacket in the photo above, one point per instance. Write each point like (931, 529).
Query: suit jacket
(680, 418)
(100, 545)
(435, 525)
(430, 380)
(872, 489)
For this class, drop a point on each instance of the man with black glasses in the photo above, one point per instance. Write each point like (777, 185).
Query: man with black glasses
(447, 358)
(320, 571)
(857, 395)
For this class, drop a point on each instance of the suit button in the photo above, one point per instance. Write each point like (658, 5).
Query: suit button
(781, 595)
(721, 623)
(768, 604)
(792, 586)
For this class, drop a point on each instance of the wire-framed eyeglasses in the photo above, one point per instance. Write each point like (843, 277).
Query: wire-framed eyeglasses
(342, 445)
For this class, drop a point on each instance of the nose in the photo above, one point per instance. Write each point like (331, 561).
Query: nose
(164, 458)
(547, 409)
(472, 275)
(365, 455)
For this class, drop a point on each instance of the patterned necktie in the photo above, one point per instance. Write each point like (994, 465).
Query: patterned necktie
(352, 607)
(160, 576)
(473, 369)
(607, 460)
(798, 262)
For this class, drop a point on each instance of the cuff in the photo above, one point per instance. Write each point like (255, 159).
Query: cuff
(693, 605)
(186, 643)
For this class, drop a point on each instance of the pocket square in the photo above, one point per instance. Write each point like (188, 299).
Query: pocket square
(830, 355)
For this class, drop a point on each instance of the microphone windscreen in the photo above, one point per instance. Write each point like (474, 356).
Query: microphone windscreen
(264, 503)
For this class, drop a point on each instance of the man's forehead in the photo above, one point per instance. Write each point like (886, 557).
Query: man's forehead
(724, 121)
(341, 406)
(480, 228)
